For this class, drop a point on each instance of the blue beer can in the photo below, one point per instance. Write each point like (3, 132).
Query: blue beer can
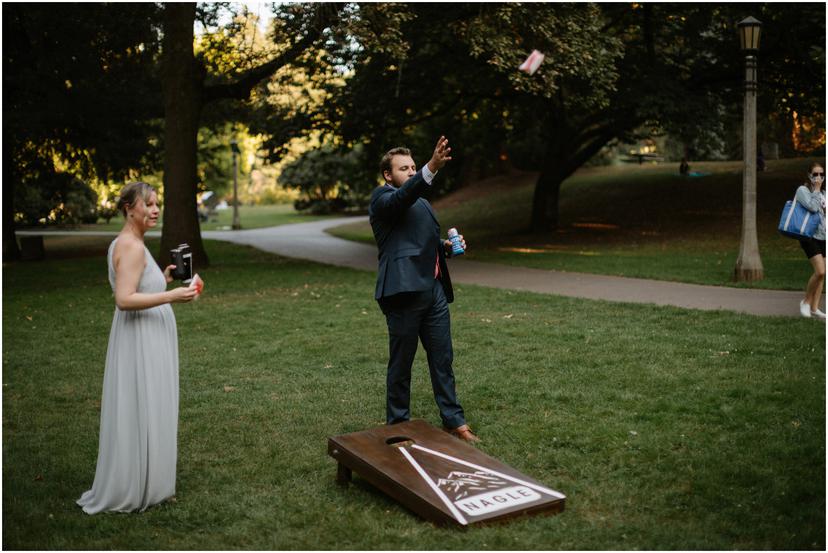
(456, 244)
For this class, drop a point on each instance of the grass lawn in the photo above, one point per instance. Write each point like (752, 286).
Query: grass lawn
(255, 216)
(636, 221)
(666, 428)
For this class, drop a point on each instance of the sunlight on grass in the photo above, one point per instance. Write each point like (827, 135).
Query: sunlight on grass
(547, 250)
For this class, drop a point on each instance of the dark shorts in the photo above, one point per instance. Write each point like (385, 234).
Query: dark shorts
(813, 247)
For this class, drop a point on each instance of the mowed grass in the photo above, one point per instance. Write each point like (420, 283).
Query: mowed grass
(250, 216)
(666, 428)
(636, 221)
(258, 216)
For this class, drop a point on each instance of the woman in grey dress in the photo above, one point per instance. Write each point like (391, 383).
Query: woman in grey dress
(139, 410)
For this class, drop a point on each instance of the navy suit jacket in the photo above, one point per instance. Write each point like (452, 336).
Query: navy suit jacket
(408, 238)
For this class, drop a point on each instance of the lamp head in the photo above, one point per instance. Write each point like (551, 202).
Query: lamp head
(750, 30)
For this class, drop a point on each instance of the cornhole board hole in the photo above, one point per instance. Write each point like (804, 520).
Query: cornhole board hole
(440, 477)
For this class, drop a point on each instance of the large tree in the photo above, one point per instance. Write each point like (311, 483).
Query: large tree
(190, 88)
(105, 95)
(610, 70)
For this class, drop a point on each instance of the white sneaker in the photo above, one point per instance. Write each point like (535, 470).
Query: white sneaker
(805, 309)
(818, 314)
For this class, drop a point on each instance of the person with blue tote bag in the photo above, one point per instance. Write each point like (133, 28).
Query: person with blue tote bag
(812, 197)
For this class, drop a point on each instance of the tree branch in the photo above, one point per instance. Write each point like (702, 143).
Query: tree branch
(437, 112)
(585, 152)
(240, 90)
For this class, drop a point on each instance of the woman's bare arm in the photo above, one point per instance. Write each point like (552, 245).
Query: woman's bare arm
(129, 260)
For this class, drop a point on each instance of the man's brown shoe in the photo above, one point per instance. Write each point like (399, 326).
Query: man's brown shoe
(464, 433)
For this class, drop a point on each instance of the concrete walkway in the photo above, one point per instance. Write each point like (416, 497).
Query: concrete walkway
(310, 241)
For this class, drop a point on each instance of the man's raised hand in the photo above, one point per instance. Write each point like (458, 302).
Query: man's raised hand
(441, 155)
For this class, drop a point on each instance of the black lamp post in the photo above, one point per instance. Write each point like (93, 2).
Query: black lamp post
(749, 264)
(234, 146)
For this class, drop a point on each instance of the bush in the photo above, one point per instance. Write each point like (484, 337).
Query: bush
(80, 204)
(326, 175)
(55, 198)
(107, 212)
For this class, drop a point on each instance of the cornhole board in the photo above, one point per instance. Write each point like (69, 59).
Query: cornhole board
(441, 478)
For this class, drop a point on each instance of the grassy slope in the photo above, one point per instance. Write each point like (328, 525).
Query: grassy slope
(666, 428)
(638, 221)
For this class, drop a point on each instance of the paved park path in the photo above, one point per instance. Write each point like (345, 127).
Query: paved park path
(310, 241)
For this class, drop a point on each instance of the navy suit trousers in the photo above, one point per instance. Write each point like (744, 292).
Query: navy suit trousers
(412, 317)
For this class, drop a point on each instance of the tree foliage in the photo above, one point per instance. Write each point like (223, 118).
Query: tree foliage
(89, 98)
(109, 93)
(580, 66)
(612, 71)
(84, 92)
(78, 103)
(46, 195)
(325, 173)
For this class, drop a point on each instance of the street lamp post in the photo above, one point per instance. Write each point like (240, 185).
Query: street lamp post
(235, 147)
(749, 264)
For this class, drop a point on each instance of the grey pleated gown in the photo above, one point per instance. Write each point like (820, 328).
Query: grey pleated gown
(139, 410)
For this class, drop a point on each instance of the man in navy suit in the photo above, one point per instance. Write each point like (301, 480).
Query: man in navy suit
(413, 285)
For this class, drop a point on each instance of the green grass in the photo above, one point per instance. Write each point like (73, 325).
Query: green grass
(259, 216)
(666, 428)
(256, 216)
(646, 222)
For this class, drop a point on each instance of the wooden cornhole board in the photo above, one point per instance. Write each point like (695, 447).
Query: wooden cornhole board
(438, 476)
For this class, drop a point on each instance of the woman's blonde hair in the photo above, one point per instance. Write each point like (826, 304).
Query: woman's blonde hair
(131, 192)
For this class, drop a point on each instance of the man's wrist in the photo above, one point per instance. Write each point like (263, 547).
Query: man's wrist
(428, 173)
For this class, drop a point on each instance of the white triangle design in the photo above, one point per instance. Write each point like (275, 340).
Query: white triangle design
(535, 487)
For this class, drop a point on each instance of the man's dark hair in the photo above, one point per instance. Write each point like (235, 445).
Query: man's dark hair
(385, 164)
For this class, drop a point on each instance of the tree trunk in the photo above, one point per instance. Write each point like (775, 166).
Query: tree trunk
(182, 82)
(11, 251)
(563, 158)
(545, 200)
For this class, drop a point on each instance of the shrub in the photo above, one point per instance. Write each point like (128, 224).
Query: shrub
(55, 198)
(329, 177)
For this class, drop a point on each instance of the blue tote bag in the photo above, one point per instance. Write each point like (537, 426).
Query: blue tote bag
(797, 222)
